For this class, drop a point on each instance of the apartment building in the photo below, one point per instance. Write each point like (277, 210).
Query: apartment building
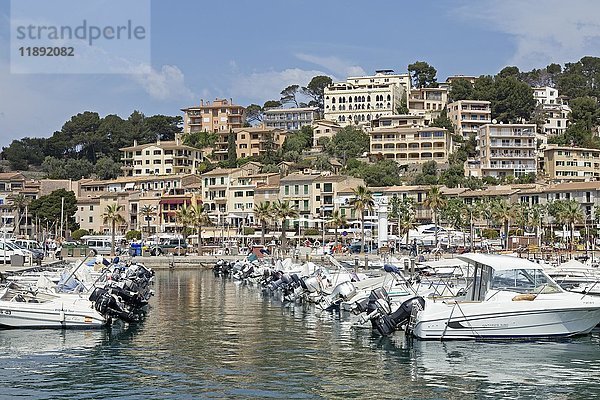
(324, 129)
(427, 102)
(219, 116)
(546, 95)
(587, 194)
(316, 194)
(250, 141)
(507, 149)
(361, 99)
(160, 158)
(228, 193)
(290, 118)
(468, 116)
(412, 145)
(563, 163)
(170, 204)
(394, 121)
(556, 118)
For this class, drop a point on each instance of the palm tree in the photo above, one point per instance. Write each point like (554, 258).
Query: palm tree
(400, 208)
(19, 202)
(569, 212)
(337, 220)
(536, 216)
(435, 201)
(502, 211)
(363, 200)
(184, 217)
(112, 215)
(283, 210)
(147, 211)
(263, 212)
(199, 217)
(405, 224)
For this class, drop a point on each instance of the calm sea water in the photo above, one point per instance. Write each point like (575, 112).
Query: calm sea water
(210, 338)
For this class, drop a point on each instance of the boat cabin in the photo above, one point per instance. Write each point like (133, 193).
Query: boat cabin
(497, 272)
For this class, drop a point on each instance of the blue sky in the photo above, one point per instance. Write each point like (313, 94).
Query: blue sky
(249, 51)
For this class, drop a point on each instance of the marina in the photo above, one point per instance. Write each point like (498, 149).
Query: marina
(214, 338)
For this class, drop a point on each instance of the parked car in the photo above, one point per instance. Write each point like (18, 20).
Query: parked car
(169, 246)
(8, 249)
(37, 252)
(355, 247)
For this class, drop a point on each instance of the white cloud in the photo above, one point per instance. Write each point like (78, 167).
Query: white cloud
(549, 31)
(168, 83)
(341, 68)
(262, 86)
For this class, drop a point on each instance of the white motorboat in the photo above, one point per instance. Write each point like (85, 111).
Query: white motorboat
(20, 308)
(508, 297)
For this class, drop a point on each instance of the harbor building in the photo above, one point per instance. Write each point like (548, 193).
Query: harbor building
(219, 116)
(290, 118)
(250, 141)
(564, 163)
(427, 102)
(507, 149)
(468, 115)
(160, 158)
(361, 99)
(411, 145)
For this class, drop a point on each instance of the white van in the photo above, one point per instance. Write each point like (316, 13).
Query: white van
(8, 249)
(99, 244)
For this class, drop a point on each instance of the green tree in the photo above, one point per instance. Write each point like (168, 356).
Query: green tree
(19, 203)
(284, 210)
(503, 212)
(316, 90)
(586, 111)
(442, 121)
(200, 139)
(115, 133)
(184, 217)
(163, 127)
(272, 104)
(402, 108)
(509, 72)
(254, 113)
(337, 220)
(263, 212)
(362, 201)
(380, 173)
(435, 201)
(513, 100)
(422, 74)
(288, 95)
(428, 175)
(231, 150)
(79, 233)
(199, 218)
(461, 89)
(112, 215)
(107, 168)
(82, 135)
(147, 211)
(568, 212)
(133, 234)
(349, 142)
(48, 208)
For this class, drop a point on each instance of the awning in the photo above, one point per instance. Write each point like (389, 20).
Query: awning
(129, 185)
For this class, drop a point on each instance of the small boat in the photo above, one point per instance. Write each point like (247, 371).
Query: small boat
(22, 308)
(508, 297)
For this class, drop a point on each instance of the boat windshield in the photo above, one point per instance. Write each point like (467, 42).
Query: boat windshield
(524, 281)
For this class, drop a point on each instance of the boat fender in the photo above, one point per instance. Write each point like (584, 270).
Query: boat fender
(524, 297)
(61, 316)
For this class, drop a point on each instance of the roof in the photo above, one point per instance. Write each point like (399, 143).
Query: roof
(299, 177)
(127, 179)
(163, 145)
(276, 109)
(5, 176)
(571, 186)
(221, 171)
(488, 192)
(554, 147)
(258, 129)
(499, 262)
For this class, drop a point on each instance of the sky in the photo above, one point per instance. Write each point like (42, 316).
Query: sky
(250, 50)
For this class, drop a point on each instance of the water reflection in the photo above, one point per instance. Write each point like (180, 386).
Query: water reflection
(212, 338)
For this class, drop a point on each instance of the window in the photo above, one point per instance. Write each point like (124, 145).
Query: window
(249, 193)
(305, 189)
(238, 194)
(156, 152)
(305, 204)
(91, 220)
(328, 187)
(287, 190)
(296, 189)
(91, 208)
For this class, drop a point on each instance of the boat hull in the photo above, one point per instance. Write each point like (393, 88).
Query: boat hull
(470, 323)
(69, 314)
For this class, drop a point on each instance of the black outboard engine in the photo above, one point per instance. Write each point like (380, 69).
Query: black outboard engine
(382, 318)
(108, 305)
(387, 324)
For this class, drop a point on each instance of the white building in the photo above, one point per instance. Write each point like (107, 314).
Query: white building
(468, 115)
(361, 99)
(290, 118)
(545, 95)
(507, 149)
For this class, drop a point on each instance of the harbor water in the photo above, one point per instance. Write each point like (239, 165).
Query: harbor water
(207, 337)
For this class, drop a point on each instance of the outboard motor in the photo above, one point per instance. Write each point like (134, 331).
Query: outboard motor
(386, 322)
(108, 305)
(342, 292)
